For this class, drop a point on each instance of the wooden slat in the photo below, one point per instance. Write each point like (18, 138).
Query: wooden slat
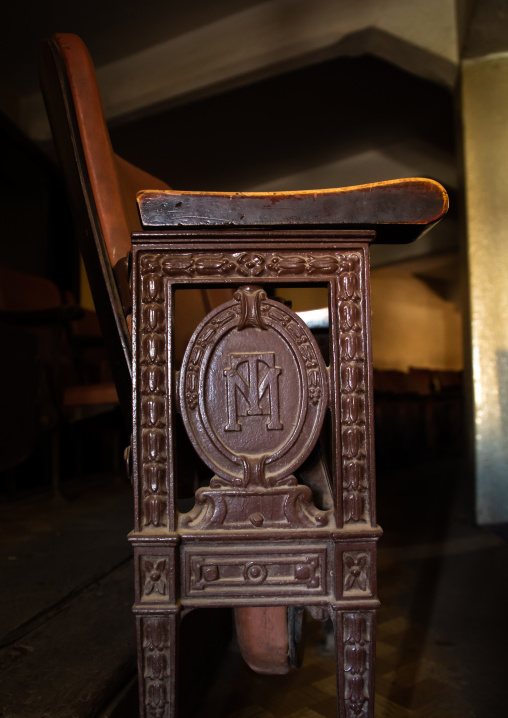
(51, 552)
(75, 662)
(409, 204)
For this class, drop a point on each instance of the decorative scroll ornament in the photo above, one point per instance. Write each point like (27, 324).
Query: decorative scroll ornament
(270, 572)
(155, 577)
(254, 390)
(353, 371)
(153, 395)
(356, 576)
(253, 264)
(156, 665)
(357, 630)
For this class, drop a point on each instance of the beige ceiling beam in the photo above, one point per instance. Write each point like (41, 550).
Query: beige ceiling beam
(419, 35)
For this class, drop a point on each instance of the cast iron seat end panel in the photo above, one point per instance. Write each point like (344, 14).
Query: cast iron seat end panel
(252, 391)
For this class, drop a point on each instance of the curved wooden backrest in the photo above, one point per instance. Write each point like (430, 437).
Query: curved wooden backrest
(82, 141)
(102, 188)
(114, 181)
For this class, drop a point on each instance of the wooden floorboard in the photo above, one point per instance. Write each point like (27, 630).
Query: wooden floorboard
(68, 634)
(437, 650)
(67, 641)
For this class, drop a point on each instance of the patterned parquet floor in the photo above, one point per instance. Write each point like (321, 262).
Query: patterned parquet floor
(442, 626)
(407, 684)
(443, 584)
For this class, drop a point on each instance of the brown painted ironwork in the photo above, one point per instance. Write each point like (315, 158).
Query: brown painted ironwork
(253, 391)
(268, 535)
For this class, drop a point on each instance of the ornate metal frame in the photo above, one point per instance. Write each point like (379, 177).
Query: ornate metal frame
(254, 536)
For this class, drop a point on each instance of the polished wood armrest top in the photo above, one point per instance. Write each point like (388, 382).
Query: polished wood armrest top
(408, 206)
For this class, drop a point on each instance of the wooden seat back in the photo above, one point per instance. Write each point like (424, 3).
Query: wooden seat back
(102, 188)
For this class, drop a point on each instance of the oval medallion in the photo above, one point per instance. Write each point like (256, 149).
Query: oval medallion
(253, 388)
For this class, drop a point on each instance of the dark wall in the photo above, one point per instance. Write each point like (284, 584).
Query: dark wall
(284, 124)
(37, 235)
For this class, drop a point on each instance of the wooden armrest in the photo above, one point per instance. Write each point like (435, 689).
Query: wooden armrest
(399, 210)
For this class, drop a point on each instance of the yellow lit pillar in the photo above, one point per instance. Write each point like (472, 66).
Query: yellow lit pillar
(484, 99)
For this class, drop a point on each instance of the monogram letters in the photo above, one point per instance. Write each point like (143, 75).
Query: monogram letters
(252, 389)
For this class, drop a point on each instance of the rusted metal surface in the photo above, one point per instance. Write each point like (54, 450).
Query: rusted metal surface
(278, 526)
(247, 362)
(253, 390)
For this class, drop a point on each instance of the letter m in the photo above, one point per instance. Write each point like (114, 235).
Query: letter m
(249, 378)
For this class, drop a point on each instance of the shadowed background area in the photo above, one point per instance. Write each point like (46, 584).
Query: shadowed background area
(280, 95)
